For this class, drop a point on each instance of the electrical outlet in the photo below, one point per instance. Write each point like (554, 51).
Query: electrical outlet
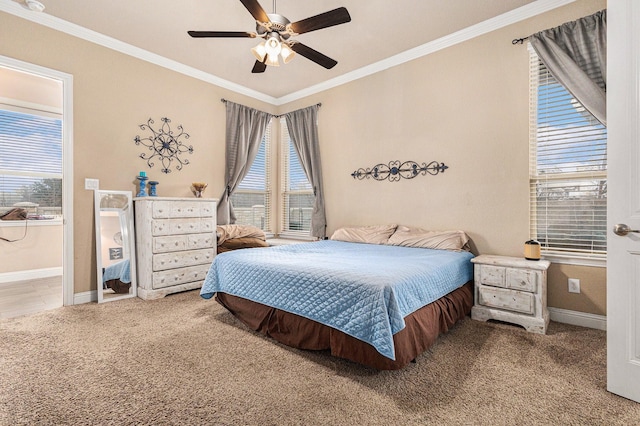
(574, 285)
(92, 184)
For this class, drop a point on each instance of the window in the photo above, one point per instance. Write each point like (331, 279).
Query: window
(31, 161)
(297, 194)
(568, 170)
(252, 198)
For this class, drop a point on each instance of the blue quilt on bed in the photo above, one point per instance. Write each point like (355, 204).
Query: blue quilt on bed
(363, 290)
(118, 271)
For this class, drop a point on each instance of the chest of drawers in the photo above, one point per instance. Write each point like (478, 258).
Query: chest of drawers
(511, 289)
(175, 243)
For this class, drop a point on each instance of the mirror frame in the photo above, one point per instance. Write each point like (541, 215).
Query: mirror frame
(127, 230)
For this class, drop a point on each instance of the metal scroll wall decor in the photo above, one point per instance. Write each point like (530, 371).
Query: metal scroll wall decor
(165, 145)
(396, 170)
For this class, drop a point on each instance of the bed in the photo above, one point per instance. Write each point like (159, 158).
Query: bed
(376, 301)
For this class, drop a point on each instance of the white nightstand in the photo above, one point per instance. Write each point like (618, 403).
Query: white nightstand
(511, 289)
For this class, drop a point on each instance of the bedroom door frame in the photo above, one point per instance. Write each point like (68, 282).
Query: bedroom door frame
(67, 165)
(623, 204)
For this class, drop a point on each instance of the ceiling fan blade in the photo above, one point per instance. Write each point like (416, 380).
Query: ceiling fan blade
(327, 19)
(313, 55)
(259, 67)
(256, 10)
(198, 34)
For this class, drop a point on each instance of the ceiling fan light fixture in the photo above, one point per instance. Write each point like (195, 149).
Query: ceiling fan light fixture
(272, 60)
(273, 45)
(260, 51)
(287, 53)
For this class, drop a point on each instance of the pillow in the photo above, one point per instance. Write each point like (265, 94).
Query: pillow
(227, 232)
(241, 243)
(416, 237)
(373, 234)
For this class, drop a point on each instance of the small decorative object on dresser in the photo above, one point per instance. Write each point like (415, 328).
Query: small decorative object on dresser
(175, 242)
(511, 289)
(198, 188)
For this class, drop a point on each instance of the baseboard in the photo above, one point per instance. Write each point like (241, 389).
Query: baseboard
(85, 297)
(34, 274)
(582, 319)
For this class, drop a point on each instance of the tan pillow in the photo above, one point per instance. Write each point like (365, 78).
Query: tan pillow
(416, 237)
(373, 234)
(227, 232)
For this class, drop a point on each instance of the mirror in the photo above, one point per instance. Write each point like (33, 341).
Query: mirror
(115, 245)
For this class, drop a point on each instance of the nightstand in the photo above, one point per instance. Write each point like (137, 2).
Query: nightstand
(511, 289)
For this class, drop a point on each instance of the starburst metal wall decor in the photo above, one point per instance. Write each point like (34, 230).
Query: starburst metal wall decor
(396, 170)
(165, 145)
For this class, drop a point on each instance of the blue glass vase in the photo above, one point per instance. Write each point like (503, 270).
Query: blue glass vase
(152, 188)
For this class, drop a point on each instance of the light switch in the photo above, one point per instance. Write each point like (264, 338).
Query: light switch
(92, 184)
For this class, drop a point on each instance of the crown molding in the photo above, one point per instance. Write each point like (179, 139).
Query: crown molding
(525, 12)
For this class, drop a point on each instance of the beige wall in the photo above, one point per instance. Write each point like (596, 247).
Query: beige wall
(466, 106)
(25, 87)
(40, 249)
(113, 94)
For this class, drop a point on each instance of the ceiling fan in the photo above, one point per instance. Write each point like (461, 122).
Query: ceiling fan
(277, 33)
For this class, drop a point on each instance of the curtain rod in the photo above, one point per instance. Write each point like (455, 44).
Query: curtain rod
(519, 40)
(223, 100)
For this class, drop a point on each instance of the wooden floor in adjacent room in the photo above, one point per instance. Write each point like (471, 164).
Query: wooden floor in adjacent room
(30, 296)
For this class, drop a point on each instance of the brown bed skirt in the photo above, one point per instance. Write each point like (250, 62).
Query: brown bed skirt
(422, 328)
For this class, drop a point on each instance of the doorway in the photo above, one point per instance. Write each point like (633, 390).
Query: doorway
(36, 174)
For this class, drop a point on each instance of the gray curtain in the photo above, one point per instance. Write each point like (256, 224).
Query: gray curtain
(245, 129)
(575, 53)
(303, 129)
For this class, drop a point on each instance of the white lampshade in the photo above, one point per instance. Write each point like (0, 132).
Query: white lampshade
(273, 45)
(272, 60)
(287, 53)
(259, 51)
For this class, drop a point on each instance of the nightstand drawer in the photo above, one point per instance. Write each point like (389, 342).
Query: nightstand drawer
(491, 275)
(522, 279)
(509, 300)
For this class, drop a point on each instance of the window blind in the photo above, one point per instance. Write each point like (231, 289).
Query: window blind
(568, 169)
(252, 198)
(297, 193)
(31, 162)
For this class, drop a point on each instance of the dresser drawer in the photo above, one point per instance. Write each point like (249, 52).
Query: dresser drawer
(510, 300)
(522, 279)
(181, 259)
(180, 226)
(179, 276)
(169, 243)
(199, 241)
(180, 209)
(182, 242)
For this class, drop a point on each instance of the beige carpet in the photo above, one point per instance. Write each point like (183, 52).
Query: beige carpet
(183, 360)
